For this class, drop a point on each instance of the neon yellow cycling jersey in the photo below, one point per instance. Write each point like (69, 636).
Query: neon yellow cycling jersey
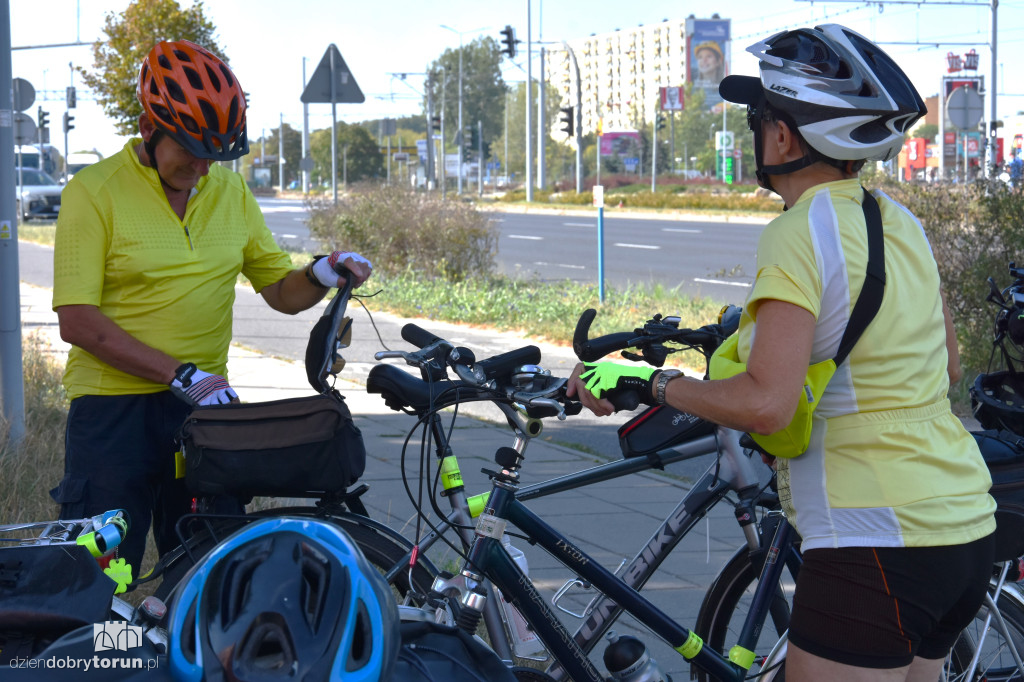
(889, 465)
(168, 282)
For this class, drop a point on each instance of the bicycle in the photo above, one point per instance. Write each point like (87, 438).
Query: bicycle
(56, 576)
(656, 442)
(740, 572)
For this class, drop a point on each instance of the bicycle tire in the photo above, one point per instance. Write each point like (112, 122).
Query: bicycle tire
(724, 610)
(381, 549)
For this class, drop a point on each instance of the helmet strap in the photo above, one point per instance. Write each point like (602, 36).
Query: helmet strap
(150, 146)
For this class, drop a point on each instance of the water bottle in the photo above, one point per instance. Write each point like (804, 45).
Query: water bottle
(525, 641)
(627, 660)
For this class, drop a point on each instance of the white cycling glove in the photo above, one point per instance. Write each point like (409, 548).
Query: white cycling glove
(323, 268)
(197, 387)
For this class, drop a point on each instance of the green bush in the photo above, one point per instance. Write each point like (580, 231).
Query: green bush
(395, 227)
(975, 230)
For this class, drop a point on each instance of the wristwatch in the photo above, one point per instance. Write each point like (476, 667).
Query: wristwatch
(183, 375)
(664, 377)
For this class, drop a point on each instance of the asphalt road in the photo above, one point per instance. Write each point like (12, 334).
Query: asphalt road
(699, 257)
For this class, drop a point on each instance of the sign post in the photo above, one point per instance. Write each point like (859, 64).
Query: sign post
(599, 202)
(333, 82)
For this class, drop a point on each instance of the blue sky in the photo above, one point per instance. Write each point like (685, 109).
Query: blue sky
(267, 41)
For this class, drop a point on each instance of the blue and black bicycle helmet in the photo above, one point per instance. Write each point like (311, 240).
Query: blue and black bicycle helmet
(284, 599)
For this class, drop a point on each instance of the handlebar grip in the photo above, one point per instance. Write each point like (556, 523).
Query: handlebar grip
(418, 336)
(624, 400)
(504, 363)
(590, 350)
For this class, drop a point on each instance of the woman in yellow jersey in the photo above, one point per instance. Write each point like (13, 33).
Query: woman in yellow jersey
(891, 495)
(149, 245)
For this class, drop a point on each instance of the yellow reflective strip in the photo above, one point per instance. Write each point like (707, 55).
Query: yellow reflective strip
(179, 464)
(741, 657)
(88, 540)
(692, 646)
(477, 504)
(451, 476)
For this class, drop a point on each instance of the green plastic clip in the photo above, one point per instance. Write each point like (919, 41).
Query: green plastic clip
(451, 476)
(692, 646)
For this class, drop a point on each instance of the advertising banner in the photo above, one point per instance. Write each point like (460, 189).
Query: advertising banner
(673, 99)
(707, 56)
(621, 144)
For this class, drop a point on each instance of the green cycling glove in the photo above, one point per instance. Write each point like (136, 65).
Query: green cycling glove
(605, 379)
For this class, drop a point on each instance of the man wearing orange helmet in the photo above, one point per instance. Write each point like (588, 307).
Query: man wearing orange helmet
(149, 245)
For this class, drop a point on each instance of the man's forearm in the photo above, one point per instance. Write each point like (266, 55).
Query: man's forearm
(92, 331)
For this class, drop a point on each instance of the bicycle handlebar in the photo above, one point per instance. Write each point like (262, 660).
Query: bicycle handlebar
(656, 331)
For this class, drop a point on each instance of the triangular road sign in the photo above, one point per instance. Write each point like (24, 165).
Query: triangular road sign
(332, 69)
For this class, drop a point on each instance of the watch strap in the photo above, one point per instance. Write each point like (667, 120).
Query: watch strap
(661, 383)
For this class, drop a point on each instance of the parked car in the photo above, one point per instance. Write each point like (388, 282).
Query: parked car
(40, 194)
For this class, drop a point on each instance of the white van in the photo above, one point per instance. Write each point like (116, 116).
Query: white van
(78, 160)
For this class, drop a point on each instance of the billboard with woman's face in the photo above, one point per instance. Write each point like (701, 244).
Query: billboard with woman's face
(707, 51)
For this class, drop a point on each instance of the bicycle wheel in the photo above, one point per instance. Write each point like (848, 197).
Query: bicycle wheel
(725, 607)
(382, 549)
(995, 664)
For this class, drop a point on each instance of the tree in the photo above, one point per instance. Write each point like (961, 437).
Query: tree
(130, 37)
(364, 158)
(928, 131)
(292, 152)
(482, 88)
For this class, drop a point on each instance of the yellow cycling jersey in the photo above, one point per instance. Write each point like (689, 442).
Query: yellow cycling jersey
(168, 282)
(888, 463)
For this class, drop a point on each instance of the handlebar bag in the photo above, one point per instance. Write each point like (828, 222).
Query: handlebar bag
(296, 447)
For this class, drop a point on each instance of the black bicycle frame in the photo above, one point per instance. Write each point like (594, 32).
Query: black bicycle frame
(489, 560)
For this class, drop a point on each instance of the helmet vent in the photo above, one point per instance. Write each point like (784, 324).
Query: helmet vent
(174, 91)
(164, 62)
(238, 581)
(209, 115)
(190, 124)
(233, 114)
(314, 568)
(182, 55)
(188, 634)
(228, 78)
(193, 78)
(164, 115)
(214, 80)
(362, 640)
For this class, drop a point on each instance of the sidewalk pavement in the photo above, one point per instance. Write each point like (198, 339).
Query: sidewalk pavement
(611, 521)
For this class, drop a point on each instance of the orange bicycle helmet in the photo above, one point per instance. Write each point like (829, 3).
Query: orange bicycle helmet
(191, 95)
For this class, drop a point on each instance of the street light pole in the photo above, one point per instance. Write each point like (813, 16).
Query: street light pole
(462, 130)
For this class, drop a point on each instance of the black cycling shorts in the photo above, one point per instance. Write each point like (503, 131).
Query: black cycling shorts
(881, 607)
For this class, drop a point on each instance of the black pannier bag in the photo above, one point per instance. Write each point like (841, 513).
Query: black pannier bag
(658, 428)
(297, 447)
(1004, 454)
(437, 653)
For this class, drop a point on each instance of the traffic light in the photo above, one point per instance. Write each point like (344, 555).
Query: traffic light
(661, 122)
(68, 118)
(44, 118)
(509, 38)
(435, 123)
(467, 143)
(71, 97)
(568, 121)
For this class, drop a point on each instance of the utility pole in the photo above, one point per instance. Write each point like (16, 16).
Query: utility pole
(305, 135)
(541, 132)
(529, 105)
(280, 153)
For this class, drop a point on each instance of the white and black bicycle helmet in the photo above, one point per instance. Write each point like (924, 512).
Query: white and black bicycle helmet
(845, 96)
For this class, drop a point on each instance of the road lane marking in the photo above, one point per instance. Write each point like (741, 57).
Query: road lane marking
(561, 265)
(680, 229)
(525, 236)
(580, 224)
(289, 236)
(637, 246)
(718, 281)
